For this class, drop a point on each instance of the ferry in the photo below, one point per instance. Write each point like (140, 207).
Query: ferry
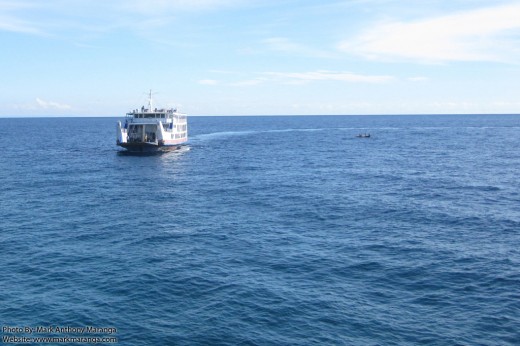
(152, 129)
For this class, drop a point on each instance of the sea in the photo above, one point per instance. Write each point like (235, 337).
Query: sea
(263, 230)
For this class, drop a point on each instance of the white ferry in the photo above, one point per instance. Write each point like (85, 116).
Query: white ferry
(152, 129)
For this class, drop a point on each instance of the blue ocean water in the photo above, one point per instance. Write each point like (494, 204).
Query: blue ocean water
(266, 231)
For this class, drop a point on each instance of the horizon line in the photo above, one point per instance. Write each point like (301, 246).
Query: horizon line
(259, 115)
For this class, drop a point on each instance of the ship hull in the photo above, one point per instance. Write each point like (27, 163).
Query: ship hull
(150, 147)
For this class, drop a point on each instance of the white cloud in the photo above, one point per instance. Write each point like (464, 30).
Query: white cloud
(329, 75)
(298, 78)
(51, 16)
(16, 25)
(208, 82)
(51, 105)
(162, 6)
(488, 34)
(418, 79)
(249, 82)
(284, 45)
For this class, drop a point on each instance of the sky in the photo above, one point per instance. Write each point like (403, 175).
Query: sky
(259, 57)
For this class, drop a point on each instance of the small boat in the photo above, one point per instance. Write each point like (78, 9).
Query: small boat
(151, 129)
(363, 135)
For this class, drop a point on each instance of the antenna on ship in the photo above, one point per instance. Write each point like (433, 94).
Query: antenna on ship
(150, 101)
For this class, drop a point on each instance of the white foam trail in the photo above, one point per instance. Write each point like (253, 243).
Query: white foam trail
(218, 135)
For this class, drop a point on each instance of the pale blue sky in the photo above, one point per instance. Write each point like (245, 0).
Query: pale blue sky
(254, 57)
